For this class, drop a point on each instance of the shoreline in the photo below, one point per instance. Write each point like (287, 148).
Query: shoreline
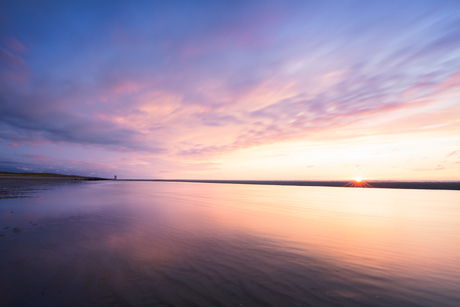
(39, 176)
(27, 185)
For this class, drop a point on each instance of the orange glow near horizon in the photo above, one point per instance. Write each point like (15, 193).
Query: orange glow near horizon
(358, 183)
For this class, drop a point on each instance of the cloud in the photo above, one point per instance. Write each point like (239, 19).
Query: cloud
(356, 96)
(180, 81)
(453, 153)
(43, 163)
(437, 168)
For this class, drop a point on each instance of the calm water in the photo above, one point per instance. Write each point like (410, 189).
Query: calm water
(122, 243)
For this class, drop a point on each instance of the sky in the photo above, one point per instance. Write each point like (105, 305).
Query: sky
(275, 90)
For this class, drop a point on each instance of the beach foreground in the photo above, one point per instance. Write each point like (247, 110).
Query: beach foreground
(118, 243)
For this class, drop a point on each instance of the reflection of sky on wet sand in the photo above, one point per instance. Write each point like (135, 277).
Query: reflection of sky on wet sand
(183, 243)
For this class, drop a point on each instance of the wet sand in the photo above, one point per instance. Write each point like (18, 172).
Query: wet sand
(176, 244)
(17, 185)
(67, 262)
(27, 186)
(48, 270)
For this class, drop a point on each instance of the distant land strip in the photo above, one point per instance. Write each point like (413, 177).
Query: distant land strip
(424, 185)
(41, 176)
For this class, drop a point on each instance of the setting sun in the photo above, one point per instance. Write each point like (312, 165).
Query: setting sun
(358, 182)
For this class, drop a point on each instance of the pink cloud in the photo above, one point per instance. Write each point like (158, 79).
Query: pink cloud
(15, 45)
(453, 153)
(14, 68)
(452, 83)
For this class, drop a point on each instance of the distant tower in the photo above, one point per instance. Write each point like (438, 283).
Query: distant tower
(115, 177)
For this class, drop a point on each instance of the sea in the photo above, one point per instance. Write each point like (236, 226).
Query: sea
(146, 243)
